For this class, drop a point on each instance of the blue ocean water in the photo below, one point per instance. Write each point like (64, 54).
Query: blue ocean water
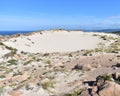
(25, 32)
(14, 32)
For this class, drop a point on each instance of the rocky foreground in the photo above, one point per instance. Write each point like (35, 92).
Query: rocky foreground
(87, 72)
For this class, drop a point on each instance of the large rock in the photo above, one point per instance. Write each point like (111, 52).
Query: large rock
(84, 67)
(110, 89)
(105, 88)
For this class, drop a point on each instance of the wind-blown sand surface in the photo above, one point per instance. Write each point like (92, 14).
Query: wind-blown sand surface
(54, 42)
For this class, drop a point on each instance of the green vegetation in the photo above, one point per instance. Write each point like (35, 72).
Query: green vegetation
(21, 84)
(1, 90)
(2, 76)
(1, 43)
(75, 93)
(15, 74)
(13, 85)
(70, 55)
(108, 77)
(88, 52)
(27, 62)
(108, 38)
(67, 94)
(2, 68)
(47, 84)
(13, 50)
(113, 47)
(95, 35)
(46, 54)
(48, 61)
(12, 62)
(8, 71)
(51, 77)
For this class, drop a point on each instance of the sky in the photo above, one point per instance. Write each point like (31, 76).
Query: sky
(43, 14)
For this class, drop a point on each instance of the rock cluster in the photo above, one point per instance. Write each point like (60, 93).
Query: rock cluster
(103, 87)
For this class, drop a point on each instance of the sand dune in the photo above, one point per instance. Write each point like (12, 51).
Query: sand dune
(54, 42)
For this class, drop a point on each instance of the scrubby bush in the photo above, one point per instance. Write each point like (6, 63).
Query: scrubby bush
(75, 93)
(108, 77)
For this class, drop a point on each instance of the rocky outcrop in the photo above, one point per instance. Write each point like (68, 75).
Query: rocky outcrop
(110, 89)
(105, 88)
(102, 87)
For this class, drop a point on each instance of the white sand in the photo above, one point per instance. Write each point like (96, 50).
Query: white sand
(49, 41)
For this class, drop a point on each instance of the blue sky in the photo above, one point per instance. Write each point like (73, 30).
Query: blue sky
(39, 14)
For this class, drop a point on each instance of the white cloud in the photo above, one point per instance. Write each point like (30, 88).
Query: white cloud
(70, 21)
(114, 17)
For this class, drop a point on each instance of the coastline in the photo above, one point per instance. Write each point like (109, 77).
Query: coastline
(15, 32)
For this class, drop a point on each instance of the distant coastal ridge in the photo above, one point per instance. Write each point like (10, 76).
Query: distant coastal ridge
(84, 30)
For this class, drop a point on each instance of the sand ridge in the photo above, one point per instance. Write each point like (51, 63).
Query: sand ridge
(50, 41)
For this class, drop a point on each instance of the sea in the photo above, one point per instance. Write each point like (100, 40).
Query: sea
(14, 32)
(29, 31)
